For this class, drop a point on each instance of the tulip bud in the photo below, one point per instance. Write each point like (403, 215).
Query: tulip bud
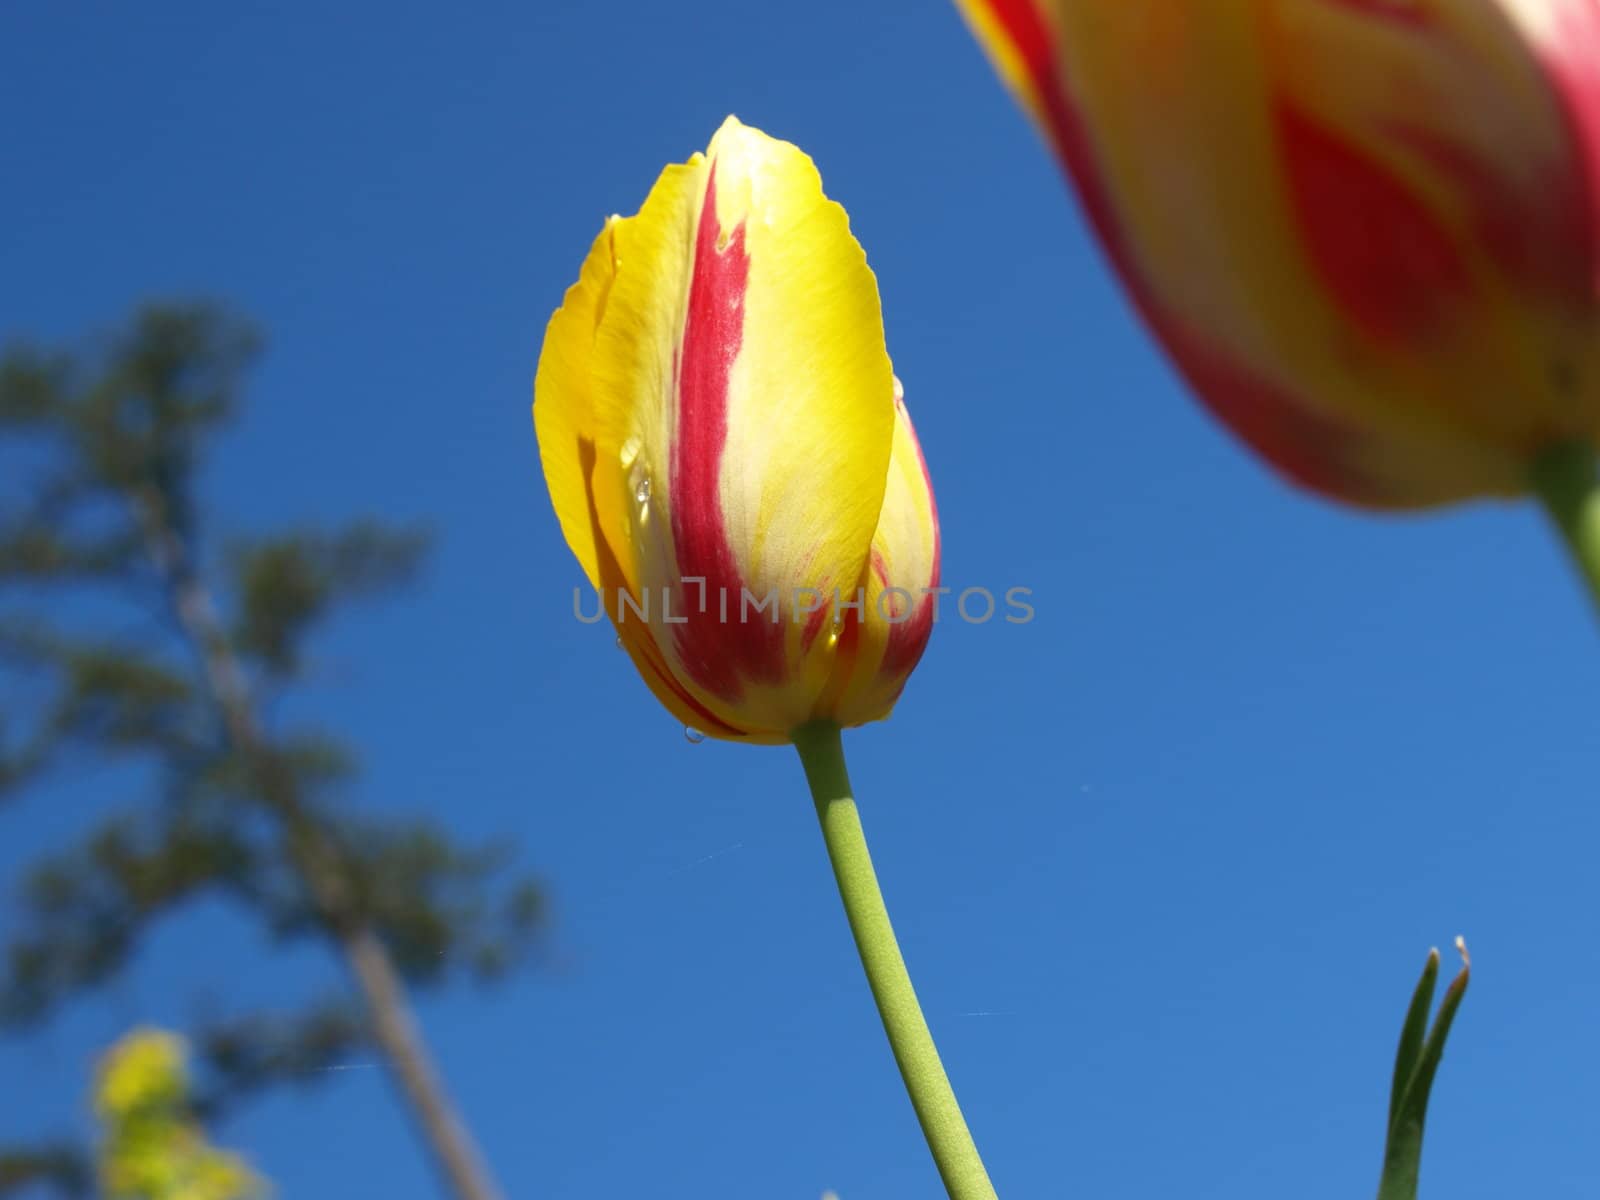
(1366, 231)
(728, 453)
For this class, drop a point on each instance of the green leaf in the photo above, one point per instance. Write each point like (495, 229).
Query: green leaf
(1416, 1064)
(1412, 1035)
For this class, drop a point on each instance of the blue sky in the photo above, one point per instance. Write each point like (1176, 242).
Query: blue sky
(1165, 862)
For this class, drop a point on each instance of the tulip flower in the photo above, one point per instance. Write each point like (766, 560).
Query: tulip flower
(729, 453)
(1367, 232)
(731, 461)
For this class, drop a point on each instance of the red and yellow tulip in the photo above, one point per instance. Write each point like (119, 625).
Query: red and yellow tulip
(1366, 231)
(729, 453)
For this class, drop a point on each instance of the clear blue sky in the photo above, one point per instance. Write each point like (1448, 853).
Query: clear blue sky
(1165, 862)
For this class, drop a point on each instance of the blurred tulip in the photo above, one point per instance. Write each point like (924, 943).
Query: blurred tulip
(729, 455)
(1366, 231)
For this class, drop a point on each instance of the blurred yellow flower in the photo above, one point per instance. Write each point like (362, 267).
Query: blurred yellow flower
(151, 1146)
(146, 1069)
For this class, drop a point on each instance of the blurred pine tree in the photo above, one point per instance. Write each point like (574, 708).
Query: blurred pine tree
(101, 511)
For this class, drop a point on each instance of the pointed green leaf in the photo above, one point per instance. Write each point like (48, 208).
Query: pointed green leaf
(1402, 1159)
(1412, 1034)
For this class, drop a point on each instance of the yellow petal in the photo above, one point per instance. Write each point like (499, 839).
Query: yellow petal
(563, 404)
(882, 640)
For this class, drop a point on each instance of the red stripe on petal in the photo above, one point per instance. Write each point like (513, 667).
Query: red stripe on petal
(708, 722)
(1502, 221)
(718, 655)
(1029, 35)
(880, 568)
(908, 639)
(1398, 12)
(1386, 259)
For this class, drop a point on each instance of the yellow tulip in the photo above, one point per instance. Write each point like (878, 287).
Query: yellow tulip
(730, 458)
(1366, 231)
(729, 454)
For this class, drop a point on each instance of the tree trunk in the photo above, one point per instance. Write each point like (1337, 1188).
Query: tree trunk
(394, 1026)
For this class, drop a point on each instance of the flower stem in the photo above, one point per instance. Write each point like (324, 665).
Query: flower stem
(822, 755)
(1564, 478)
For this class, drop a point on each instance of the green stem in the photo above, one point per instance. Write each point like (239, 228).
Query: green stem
(822, 755)
(1564, 478)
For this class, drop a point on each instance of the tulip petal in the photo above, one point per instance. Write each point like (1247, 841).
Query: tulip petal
(744, 416)
(563, 406)
(563, 416)
(882, 641)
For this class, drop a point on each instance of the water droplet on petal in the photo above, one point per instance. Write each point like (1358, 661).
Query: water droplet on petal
(692, 735)
(641, 492)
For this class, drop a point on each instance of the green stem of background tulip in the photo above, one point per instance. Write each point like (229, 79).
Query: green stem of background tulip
(1564, 477)
(954, 1152)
